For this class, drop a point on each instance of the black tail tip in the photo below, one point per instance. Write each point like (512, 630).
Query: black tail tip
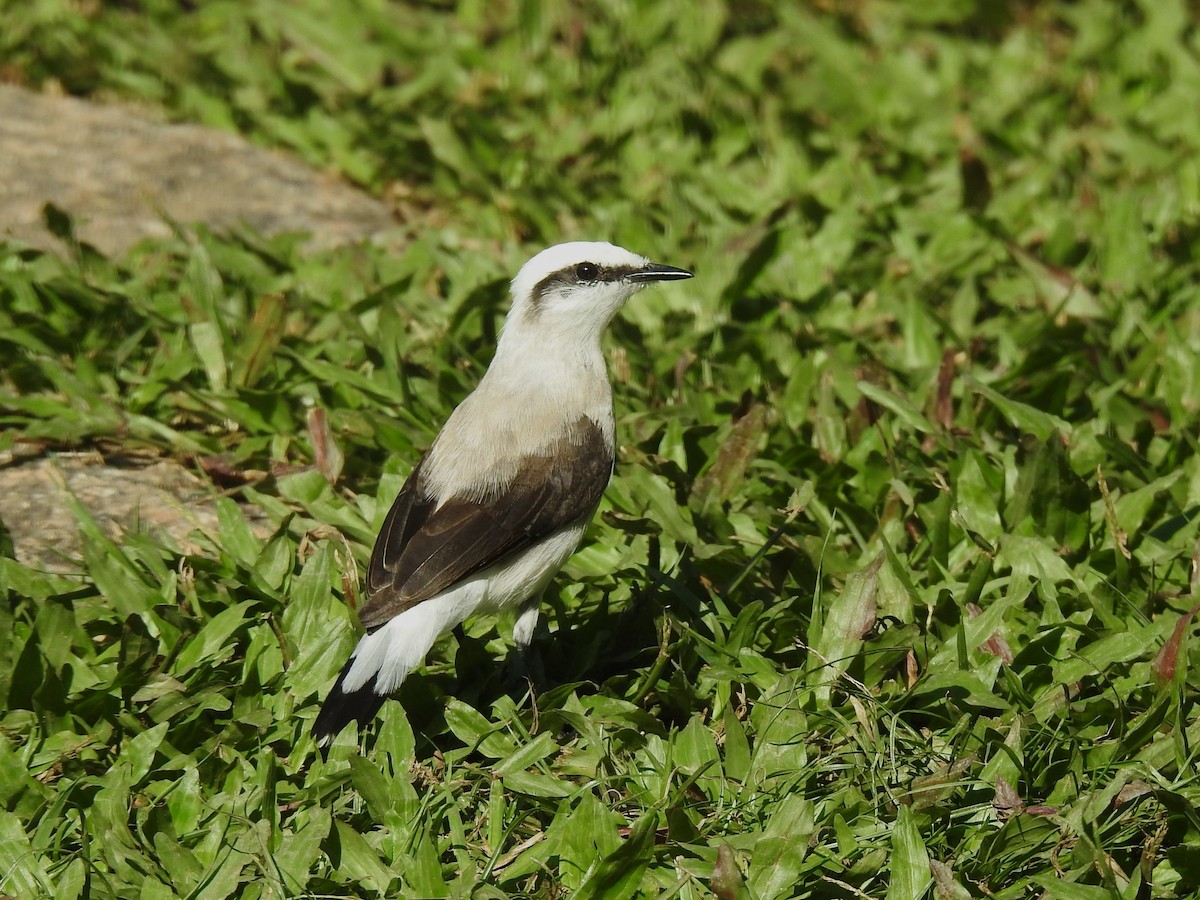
(341, 708)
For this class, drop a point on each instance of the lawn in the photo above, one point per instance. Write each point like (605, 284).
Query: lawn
(892, 593)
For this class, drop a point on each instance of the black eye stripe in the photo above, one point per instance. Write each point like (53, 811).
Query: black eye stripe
(572, 275)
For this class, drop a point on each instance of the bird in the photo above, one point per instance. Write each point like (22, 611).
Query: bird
(504, 494)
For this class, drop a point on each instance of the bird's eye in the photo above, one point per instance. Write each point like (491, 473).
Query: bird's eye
(587, 271)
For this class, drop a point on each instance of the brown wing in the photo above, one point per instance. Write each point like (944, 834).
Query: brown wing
(421, 550)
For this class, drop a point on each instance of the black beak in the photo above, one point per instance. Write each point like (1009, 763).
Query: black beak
(659, 272)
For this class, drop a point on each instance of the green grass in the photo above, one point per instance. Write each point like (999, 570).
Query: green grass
(890, 593)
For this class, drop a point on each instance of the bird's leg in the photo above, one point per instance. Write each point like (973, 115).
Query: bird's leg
(526, 664)
(526, 624)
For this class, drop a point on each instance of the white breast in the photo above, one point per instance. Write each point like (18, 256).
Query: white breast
(509, 417)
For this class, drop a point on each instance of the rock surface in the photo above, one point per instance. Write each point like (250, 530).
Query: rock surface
(163, 499)
(118, 174)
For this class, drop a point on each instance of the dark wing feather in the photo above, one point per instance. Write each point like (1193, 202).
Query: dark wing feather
(409, 513)
(422, 550)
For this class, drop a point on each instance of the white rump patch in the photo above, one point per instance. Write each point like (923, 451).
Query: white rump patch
(401, 645)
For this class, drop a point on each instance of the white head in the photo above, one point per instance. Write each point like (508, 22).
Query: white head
(572, 291)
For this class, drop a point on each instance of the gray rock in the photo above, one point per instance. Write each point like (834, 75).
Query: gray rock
(118, 174)
(161, 498)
